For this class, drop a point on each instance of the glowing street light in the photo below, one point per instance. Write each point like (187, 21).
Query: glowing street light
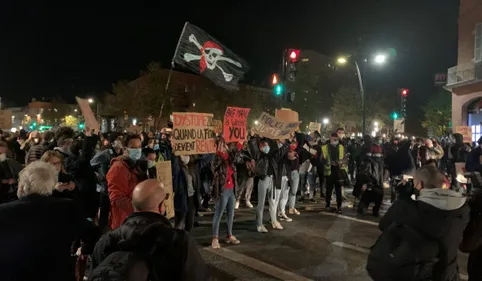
(380, 58)
(90, 100)
(256, 122)
(326, 121)
(375, 123)
(342, 60)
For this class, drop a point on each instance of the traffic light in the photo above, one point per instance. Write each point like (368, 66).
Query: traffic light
(394, 115)
(403, 101)
(278, 90)
(293, 55)
(274, 80)
(81, 125)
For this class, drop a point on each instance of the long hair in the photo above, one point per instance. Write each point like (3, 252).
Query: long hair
(52, 153)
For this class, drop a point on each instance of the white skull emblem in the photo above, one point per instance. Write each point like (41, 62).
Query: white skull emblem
(212, 55)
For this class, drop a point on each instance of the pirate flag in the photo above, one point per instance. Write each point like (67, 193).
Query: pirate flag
(203, 54)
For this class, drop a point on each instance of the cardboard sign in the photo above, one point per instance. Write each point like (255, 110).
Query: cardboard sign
(287, 115)
(5, 119)
(314, 127)
(164, 174)
(218, 126)
(271, 127)
(193, 133)
(466, 132)
(235, 121)
(90, 121)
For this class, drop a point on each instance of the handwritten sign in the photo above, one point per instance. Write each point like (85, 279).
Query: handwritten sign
(193, 133)
(271, 127)
(90, 121)
(235, 121)
(164, 174)
(314, 127)
(466, 132)
(218, 126)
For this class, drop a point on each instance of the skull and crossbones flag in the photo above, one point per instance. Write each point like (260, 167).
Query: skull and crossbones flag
(201, 53)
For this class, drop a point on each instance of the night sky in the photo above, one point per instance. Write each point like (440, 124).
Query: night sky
(64, 49)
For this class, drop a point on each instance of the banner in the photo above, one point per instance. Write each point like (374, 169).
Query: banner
(270, 127)
(90, 121)
(314, 127)
(218, 126)
(235, 121)
(193, 133)
(164, 174)
(466, 132)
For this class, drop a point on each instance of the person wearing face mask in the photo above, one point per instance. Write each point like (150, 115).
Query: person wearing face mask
(37, 148)
(124, 174)
(288, 195)
(101, 164)
(333, 157)
(427, 231)
(269, 183)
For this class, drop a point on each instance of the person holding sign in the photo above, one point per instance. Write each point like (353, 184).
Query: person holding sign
(269, 183)
(224, 182)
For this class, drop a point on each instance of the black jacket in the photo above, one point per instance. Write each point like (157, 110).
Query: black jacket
(36, 237)
(175, 257)
(446, 227)
(472, 242)
(263, 161)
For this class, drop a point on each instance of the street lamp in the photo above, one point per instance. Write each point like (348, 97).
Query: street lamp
(378, 59)
(256, 122)
(90, 100)
(375, 124)
(326, 121)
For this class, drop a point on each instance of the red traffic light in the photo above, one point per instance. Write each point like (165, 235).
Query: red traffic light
(404, 92)
(274, 80)
(293, 54)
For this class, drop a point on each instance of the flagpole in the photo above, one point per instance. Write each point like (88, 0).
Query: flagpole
(168, 82)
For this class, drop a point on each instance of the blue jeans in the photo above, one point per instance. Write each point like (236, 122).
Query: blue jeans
(226, 201)
(295, 180)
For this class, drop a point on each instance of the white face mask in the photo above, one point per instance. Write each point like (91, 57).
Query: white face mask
(334, 143)
(185, 159)
(150, 164)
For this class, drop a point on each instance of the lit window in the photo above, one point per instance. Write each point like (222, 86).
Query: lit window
(476, 133)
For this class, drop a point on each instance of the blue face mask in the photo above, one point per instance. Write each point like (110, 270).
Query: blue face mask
(266, 149)
(156, 146)
(135, 153)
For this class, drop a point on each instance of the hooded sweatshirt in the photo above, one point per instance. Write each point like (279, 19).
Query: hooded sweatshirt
(443, 199)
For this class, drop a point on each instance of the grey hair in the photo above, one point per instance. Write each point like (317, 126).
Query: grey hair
(37, 178)
(430, 176)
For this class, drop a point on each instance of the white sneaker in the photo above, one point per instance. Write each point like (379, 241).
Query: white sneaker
(277, 225)
(249, 205)
(293, 212)
(285, 217)
(236, 205)
(262, 229)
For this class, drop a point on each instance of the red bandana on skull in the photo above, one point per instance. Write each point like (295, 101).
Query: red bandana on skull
(209, 47)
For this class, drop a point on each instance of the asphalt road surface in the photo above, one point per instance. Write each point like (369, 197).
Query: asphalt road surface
(316, 245)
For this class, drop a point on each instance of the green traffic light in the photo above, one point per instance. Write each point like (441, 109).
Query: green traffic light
(394, 115)
(278, 89)
(81, 125)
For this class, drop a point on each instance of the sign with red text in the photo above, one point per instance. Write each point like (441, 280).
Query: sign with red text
(273, 128)
(193, 133)
(235, 121)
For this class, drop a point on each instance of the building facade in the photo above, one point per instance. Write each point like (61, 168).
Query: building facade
(465, 79)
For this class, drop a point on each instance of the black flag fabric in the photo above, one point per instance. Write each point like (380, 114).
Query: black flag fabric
(201, 53)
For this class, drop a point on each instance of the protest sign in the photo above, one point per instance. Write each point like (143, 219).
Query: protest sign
(164, 174)
(270, 127)
(235, 121)
(466, 132)
(218, 126)
(90, 121)
(314, 127)
(5, 119)
(193, 133)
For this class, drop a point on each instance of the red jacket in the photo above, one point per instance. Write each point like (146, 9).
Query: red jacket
(121, 180)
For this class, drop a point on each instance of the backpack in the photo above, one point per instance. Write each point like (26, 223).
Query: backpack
(402, 253)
